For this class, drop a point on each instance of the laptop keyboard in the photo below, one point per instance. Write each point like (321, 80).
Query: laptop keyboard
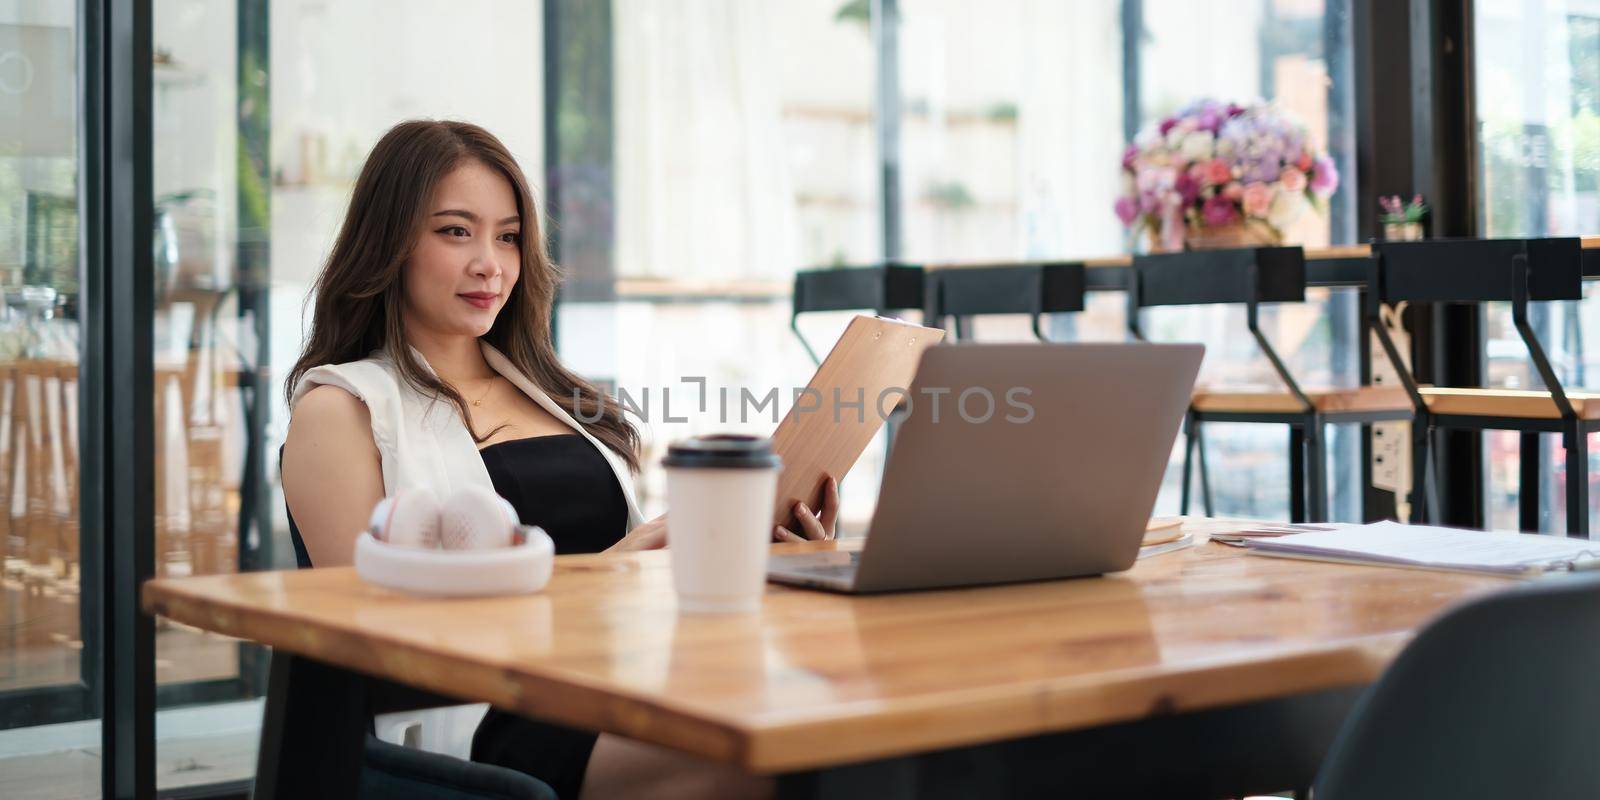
(832, 570)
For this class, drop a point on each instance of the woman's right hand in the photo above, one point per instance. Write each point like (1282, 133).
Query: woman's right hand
(650, 535)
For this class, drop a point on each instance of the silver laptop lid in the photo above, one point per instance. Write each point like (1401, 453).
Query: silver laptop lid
(1026, 461)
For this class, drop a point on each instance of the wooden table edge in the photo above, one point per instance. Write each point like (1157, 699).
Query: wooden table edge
(799, 741)
(442, 673)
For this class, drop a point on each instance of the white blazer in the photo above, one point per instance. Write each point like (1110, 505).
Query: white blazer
(424, 442)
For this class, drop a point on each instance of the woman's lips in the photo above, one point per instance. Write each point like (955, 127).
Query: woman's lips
(479, 299)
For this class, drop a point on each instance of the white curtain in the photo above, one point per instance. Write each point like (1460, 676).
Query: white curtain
(702, 189)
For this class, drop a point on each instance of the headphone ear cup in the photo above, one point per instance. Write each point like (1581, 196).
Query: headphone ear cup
(476, 518)
(409, 519)
(378, 523)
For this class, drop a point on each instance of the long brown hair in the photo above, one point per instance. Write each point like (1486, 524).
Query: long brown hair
(359, 293)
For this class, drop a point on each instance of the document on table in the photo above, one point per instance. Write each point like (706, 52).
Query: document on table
(1428, 547)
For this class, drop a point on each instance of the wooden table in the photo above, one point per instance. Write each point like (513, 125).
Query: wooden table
(1202, 672)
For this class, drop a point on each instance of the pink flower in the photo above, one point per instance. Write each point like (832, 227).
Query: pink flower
(1304, 162)
(1188, 188)
(1218, 211)
(1127, 210)
(1128, 156)
(1324, 178)
(1233, 191)
(1218, 172)
(1168, 124)
(1293, 180)
(1257, 199)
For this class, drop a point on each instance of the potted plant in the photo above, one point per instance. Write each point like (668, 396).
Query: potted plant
(1402, 221)
(1221, 175)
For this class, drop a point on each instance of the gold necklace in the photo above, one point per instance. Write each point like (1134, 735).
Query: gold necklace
(478, 402)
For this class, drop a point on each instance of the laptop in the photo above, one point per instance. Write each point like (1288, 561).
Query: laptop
(1016, 462)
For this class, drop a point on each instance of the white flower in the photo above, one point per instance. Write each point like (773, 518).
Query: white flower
(1286, 208)
(1198, 146)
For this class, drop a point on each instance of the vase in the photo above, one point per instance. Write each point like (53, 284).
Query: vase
(1402, 231)
(1236, 235)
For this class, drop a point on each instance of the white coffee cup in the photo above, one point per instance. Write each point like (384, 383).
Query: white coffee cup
(720, 493)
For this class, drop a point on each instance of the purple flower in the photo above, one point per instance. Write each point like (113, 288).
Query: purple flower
(1168, 124)
(1128, 155)
(1324, 177)
(1127, 210)
(1218, 211)
(1188, 188)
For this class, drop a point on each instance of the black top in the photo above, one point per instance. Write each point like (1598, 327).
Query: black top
(562, 484)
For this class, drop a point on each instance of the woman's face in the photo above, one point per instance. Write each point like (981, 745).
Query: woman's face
(468, 255)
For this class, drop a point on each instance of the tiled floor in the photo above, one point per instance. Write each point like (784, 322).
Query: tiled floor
(197, 746)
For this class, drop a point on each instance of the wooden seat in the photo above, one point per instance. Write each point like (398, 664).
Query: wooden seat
(1327, 401)
(1519, 404)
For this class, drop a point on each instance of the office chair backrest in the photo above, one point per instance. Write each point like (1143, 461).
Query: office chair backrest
(302, 556)
(1203, 277)
(1496, 699)
(1477, 270)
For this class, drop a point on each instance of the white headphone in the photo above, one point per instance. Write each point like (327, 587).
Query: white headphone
(473, 518)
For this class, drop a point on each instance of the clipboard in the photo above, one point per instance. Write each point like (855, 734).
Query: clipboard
(874, 362)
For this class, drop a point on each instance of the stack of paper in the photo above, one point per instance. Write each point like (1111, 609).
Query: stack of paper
(1391, 543)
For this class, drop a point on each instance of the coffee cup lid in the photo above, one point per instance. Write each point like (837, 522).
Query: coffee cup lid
(723, 451)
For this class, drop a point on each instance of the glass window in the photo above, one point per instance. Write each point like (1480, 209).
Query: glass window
(1011, 139)
(1538, 105)
(45, 679)
(263, 116)
(745, 149)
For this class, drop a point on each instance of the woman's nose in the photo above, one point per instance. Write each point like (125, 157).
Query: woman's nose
(484, 264)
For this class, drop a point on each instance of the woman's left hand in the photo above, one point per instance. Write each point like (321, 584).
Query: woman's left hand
(814, 526)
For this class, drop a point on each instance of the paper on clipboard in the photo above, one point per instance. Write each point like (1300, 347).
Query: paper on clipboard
(1427, 547)
(867, 373)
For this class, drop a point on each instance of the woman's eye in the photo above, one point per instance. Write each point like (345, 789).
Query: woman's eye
(511, 238)
(454, 230)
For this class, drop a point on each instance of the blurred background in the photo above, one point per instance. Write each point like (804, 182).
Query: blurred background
(691, 155)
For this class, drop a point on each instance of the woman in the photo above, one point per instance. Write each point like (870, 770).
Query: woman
(430, 363)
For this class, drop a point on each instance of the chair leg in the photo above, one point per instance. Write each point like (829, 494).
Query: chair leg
(1421, 484)
(1577, 442)
(1316, 472)
(1297, 474)
(1531, 458)
(1188, 462)
(1205, 473)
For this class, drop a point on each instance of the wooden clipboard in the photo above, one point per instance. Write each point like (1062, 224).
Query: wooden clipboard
(873, 361)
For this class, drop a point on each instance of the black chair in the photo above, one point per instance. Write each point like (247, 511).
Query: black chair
(1252, 277)
(1476, 271)
(960, 293)
(883, 289)
(1494, 700)
(393, 772)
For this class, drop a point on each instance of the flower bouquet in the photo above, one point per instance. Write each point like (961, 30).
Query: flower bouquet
(1221, 175)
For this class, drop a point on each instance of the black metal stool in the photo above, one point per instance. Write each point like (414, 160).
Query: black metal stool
(961, 293)
(883, 289)
(1477, 271)
(1252, 277)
